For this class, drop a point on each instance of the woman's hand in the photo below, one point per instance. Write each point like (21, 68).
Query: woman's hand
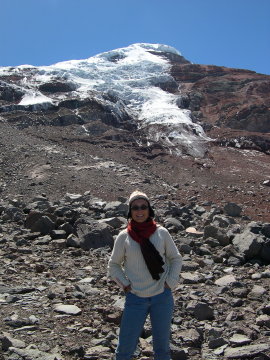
(127, 288)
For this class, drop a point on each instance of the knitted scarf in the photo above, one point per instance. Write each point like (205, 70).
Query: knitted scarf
(140, 232)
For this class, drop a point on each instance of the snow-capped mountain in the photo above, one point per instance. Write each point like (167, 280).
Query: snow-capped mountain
(135, 78)
(146, 94)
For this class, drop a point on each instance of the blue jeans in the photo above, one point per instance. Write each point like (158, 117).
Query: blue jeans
(160, 308)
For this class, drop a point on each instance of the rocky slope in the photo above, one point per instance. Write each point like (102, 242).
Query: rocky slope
(64, 163)
(57, 302)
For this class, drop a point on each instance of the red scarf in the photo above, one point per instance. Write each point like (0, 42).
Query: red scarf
(141, 231)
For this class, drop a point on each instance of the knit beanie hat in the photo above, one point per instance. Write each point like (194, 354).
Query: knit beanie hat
(137, 194)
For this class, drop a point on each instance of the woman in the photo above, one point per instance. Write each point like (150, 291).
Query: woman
(146, 264)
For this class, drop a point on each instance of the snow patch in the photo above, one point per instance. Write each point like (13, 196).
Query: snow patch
(34, 98)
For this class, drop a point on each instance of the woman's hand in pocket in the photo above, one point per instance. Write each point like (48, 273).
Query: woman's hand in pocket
(166, 286)
(127, 289)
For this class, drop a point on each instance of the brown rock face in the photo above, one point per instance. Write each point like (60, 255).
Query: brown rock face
(226, 98)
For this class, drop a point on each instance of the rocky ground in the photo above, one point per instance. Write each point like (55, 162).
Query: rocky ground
(56, 300)
(57, 160)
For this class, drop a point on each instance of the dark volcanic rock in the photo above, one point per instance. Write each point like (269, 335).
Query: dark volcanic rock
(96, 236)
(57, 86)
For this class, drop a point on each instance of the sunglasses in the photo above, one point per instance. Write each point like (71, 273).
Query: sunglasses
(137, 208)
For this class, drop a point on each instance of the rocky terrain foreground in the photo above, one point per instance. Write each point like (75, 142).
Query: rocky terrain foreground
(57, 302)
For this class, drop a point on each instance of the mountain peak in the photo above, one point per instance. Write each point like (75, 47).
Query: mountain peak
(138, 76)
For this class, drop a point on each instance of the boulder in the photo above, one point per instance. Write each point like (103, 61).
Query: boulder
(67, 309)
(34, 354)
(246, 352)
(115, 222)
(216, 233)
(265, 251)
(248, 244)
(232, 209)
(116, 208)
(225, 280)
(201, 311)
(173, 225)
(38, 222)
(73, 241)
(95, 236)
(8, 341)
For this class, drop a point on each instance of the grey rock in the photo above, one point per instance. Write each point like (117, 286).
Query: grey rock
(257, 291)
(44, 225)
(73, 241)
(93, 237)
(265, 251)
(34, 354)
(8, 341)
(116, 208)
(67, 309)
(190, 266)
(266, 230)
(239, 339)
(191, 337)
(263, 320)
(97, 351)
(59, 243)
(266, 309)
(201, 311)
(216, 343)
(232, 209)
(87, 289)
(115, 222)
(225, 280)
(185, 248)
(248, 244)
(234, 261)
(191, 278)
(245, 352)
(222, 221)
(254, 227)
(13, 213)
(58, 234)
(177, 353)
(216, 233)
(173, 225)
(68, 228)
(16, 290)
(199, 210)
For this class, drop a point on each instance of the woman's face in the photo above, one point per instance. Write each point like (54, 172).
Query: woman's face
(139, 210)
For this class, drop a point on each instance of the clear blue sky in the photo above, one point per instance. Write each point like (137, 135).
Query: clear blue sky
(232, 33)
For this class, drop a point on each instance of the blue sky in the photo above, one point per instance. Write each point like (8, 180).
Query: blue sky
(232, 33)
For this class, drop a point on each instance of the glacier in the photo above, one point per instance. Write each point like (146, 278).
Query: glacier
(132, 75)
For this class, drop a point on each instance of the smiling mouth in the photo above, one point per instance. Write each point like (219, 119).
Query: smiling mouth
(140, 216)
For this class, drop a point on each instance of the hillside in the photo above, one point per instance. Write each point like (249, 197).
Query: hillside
(76, 138)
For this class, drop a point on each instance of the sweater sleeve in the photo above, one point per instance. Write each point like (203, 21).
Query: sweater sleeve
(175, 261)
(115, 269)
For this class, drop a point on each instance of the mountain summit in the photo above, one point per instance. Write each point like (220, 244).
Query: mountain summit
(150, 89)
(133, 84)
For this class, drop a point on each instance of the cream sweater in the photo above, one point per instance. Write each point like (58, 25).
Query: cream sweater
(127, 266)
